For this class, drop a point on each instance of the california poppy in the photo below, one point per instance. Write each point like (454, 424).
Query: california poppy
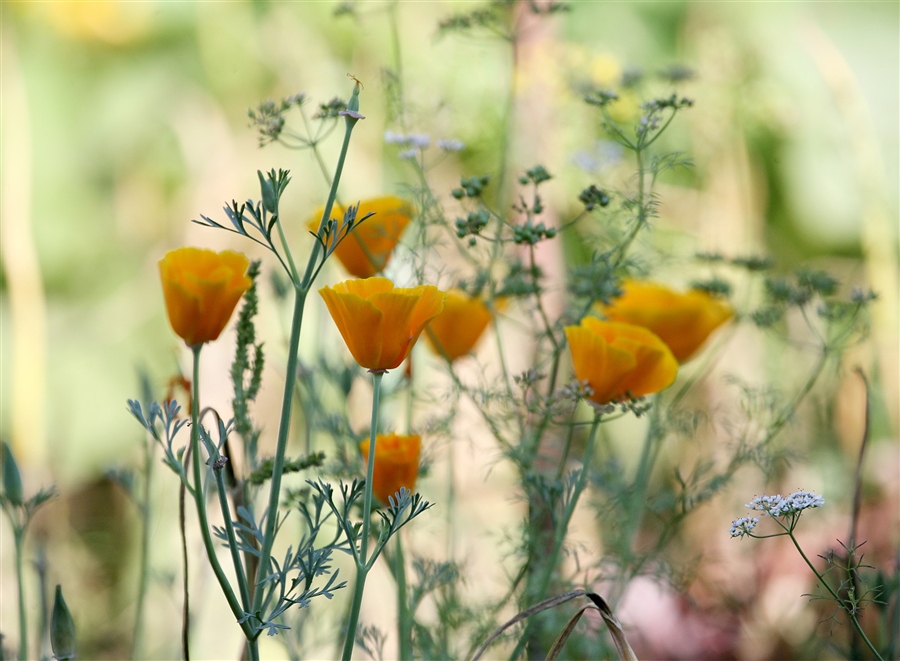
(682, 321)
(619, 359)
(380, 323)
(367, 250)
(396, 463)
(456, 330)
(201, 289)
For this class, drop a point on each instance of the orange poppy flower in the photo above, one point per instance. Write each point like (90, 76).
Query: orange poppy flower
(380, 324)
(682, 321)
(456, 330)
(396, 463)
(619, 359)
(201, 289)
(367, 250)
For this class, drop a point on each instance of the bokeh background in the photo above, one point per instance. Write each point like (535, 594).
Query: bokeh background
(122, 121)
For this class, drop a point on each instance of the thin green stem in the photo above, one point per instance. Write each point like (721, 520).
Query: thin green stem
(232, 538)
(200, 503)
(404, 616)
(252, 645)
(301, 289)
(19, 538)
(562, 528)
(137, 633)
(280, 448)
(565, 457)
(837, 598)
(362, 567)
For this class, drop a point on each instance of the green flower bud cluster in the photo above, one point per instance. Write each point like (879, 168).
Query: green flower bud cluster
(531, 233)
(472, 225)
(470, 187)
(592, 196)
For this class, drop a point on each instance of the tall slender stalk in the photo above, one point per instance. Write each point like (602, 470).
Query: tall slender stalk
(144, 570)
(539, 589)
(362, 567)
(301, 289)
(18, 538)
(404, 616)
(199, 501)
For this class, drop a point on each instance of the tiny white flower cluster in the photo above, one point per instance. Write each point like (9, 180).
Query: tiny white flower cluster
(783, 506)
(775, 506)
(419, 141)
(743, 526)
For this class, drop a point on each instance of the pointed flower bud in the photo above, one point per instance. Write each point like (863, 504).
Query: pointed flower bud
(62, 629)
(12, 479)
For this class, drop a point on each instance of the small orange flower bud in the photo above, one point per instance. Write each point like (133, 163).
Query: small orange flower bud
(396, 463)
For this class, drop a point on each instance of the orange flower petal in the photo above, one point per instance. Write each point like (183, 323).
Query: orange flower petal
(619, 359)
(201, 289)
(682, 321)
(381, 324)
(459, 326)
(368, 248)
(598, 363)
(396, 463)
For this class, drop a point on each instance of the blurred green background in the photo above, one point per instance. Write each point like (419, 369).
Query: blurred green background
(122, 121)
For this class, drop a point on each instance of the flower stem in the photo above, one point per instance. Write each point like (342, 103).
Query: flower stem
(540, 588)
(836, 597)
(19, 538)
(362, 567)
(137, 632)
(199, 501)
(301, 289)
(404, 617)
(280, 448)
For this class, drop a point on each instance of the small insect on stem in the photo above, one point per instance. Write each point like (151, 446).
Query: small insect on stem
(356, 80)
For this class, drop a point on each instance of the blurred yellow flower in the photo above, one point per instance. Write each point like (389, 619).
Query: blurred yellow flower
(625, 109)
(380, 324)
(619, 359)
(682, 321)
(456, 330)
(201, 289)
(396, 463)
(367, 249)
(114, 21)
(605, 71)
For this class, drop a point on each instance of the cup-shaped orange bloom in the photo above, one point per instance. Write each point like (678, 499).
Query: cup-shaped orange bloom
(619, 359)
(396, 463)
(202, 288)
(457, 329)
(367, 249)
(380, 323)
(682, 321)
